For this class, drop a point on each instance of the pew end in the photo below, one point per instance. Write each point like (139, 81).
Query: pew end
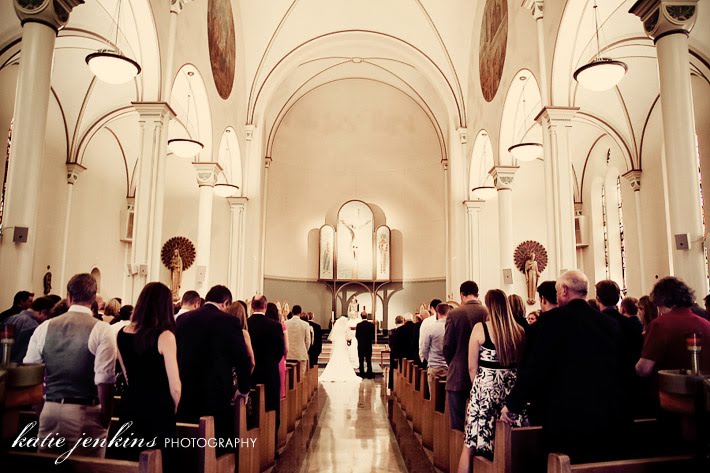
(559, 463)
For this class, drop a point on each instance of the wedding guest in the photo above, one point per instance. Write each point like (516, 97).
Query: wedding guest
(299, 338)
(517, 307)
(21, 301)
(548, 296)
(58, 309)
(594, 304)
(272, 312)
(532, 317)
(79, 353)
(147, 353)
(495, 348)
(629, 307)
(397, 344)
(111, 310)
(190, 301)
(317, 345)
(648, 312)
(237, 310)
(25, 324)
(459, 324)
(432, 349)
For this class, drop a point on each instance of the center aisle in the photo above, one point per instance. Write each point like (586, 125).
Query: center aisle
(353, 433)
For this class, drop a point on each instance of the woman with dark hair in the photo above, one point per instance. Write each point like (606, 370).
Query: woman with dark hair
(272, 312)
(648, 312)
(494, 351)
(517, 307)
(236, 309)
(147, 352)
(668, 336)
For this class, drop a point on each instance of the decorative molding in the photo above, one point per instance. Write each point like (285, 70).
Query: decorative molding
(578, 209)
(73, 171)
(176, 6)
(249, 131)
(237, 202)
(267, 162)
(557, 115)
(53, 13)
(503, 176)
(634, 178)
(535, 7)
(661, 17)
(463, 135)
(153, 110)
(207, 173)
(473, 205)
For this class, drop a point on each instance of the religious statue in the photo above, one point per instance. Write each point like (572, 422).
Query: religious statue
(326, 258)
(383, 247)
(531, 276)
(176, 274)
(47, 281)
(352, 308)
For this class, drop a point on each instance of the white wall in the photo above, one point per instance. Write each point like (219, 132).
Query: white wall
(355, 139)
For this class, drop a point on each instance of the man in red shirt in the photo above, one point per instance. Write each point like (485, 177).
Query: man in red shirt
(666, 346)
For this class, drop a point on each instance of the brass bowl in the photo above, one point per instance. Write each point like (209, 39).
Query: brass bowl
(22, 376)
(680, 392)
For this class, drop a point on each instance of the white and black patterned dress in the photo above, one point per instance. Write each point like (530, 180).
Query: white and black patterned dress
(488, 394)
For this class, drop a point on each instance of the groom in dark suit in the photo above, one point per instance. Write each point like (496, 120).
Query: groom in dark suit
(365, 335)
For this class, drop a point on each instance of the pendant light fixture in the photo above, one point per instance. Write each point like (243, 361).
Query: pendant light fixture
(111, 65)
(186, 147)
(527, 150)
(601, 73)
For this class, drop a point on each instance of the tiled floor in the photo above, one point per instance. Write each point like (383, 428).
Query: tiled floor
(353, 433)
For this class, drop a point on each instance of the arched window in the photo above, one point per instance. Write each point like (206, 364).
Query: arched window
(605, 232)
(621, 234)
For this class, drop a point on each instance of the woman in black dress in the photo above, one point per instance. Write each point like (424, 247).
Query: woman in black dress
(148, 353)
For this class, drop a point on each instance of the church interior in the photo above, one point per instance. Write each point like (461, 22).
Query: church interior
(355, 158)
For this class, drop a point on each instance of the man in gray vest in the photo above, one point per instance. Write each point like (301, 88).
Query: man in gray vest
(80, 355)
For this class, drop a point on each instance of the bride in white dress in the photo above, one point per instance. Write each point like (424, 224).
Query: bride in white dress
(339, 368)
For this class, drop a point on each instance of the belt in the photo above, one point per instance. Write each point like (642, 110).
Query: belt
(75, 400)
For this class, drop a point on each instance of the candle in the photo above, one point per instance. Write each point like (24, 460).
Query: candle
(693, 341)
(7, 332)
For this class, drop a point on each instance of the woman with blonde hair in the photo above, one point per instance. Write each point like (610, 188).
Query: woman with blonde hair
(237, 309)
(494, 351)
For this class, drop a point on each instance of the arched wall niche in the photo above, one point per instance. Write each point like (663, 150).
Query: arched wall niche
(522, 104)
(191, 104)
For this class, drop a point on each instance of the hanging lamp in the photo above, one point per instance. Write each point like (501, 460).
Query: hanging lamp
(186, 147)
(111, 65)
(601, 73)
(225, 190)
(484, 192)
(525, 151)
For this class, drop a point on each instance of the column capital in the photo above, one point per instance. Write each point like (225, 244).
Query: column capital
(207, 173)
(634, 178)
(53, 13)
(176, 6)
(237, 203)
(463, 135)
(154, 110)
(73, 171)
(503, 176)
(556, 115)
(249, 128)
(535, 7)
(661, 17)
(130, 203)
(473, 205)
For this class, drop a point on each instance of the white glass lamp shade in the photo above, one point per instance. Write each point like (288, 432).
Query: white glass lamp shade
(526, 151)
(225, 190)
(600, 74)
(484, 192)
(184, 147)
(112, 68)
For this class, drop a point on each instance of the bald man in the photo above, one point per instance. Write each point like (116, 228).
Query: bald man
(573, 376)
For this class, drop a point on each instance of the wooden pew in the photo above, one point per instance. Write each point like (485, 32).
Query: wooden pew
(292, 396)
(516, 450)
(267, 430)
(150, 462)
(417, 399)
(427, 407)
(283, 425)
(455, 447)
(558, 463)
(442, 426)
(248, 459)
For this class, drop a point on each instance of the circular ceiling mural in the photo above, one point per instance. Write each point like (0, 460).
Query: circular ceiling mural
(494, 40)
(222, 45)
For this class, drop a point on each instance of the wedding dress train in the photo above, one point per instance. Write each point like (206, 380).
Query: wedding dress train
(339, 368)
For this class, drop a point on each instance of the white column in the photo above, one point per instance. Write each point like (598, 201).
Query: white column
(536, 8)
(559, 191)
(39, 32)
(669, 23)
(206, 179)
(503, 179)
(456, 173)
(73, 171)
(148, 222)
(473, 238)
(237, 207)
(634, 178)
(265, 194)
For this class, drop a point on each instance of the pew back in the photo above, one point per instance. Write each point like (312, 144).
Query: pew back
(558, 463)
(150, 462)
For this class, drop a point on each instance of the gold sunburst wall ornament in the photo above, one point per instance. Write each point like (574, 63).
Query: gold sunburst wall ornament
(523, 251)
(184, 247)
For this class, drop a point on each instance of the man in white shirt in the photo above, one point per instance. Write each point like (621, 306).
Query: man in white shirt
(432, 345)
(299, 338)
(79, 353)
(428, 319)
(191, 300)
